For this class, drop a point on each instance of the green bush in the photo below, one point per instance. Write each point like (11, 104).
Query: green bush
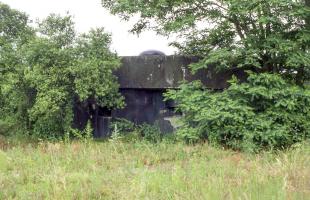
(131, 131)
(150, 133)
(85, 135)
(266, 112)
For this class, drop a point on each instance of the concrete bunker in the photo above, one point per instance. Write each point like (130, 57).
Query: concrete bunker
(143, 80)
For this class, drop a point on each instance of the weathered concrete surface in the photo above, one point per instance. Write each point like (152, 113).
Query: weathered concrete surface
(143, 80)
(162, 72)
(146, 106)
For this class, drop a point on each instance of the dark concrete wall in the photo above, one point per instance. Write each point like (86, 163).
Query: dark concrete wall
(145, 106)
(143, 80)
(142, 105)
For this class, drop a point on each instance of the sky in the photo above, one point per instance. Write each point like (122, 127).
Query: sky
(90, 14)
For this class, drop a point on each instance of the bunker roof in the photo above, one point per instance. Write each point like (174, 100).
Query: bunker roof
(163, 72)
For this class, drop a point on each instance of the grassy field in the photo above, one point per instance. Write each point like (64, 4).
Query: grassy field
(139, 170)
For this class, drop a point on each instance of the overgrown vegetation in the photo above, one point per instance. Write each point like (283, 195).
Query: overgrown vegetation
(264, 112)
(48, 69)
(134, 132)
(142, 170)
(268, 38)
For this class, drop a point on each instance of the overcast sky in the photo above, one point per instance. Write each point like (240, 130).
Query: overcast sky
(88, 14)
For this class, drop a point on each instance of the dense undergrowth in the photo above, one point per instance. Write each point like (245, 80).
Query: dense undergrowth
(265, 112)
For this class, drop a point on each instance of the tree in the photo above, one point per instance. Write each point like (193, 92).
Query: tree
(48, 69)
(65, 70)
(259, 35)
(267, 38)
(14, 98)
(49, 57)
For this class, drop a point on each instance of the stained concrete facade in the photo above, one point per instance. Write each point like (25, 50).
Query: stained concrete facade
(143, 80)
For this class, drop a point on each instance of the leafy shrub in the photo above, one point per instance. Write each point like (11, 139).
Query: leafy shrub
(266, 112)
(131, 131)
(150, 133)
(85, 135)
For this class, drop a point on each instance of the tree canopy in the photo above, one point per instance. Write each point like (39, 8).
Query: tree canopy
(48, 69)
(260, 35)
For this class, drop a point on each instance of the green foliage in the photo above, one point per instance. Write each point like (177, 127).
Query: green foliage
(266, 112)
(15, 94)
(85, 135)
(261, 36)
(93, 70)
(63, 68)
(58, 29)
(49, 69)
(13, 25)
(129, 131)
(116, 134)
(150, 133)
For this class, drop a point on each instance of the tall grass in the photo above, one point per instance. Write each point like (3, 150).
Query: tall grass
(140, 170)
